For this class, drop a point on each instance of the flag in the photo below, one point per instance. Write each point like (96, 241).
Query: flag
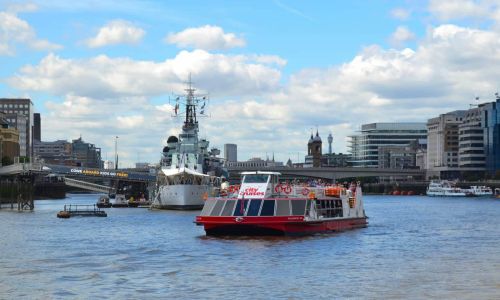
(203, 105)
(176, 108)
(202, 111)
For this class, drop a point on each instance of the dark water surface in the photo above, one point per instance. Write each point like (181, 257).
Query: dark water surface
(414, 247)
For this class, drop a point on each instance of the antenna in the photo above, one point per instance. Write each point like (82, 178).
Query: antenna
(475, 104)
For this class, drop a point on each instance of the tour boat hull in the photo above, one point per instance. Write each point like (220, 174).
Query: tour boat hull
(291, 225)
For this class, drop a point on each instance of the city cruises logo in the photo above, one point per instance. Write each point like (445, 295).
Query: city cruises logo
(253, 191)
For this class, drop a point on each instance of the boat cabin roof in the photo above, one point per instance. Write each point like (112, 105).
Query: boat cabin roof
(182, 170)
(260, 172)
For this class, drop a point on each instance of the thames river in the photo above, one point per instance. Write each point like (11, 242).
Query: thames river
(414, 247)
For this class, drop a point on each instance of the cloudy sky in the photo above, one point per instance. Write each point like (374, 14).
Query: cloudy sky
(273, 69)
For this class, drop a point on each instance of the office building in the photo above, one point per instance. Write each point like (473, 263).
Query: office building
(231, 152)
(57, 152)
(86, 154)
(19, 114)
(442, 139)
(37, 129)
(365, 146)
(491, 133)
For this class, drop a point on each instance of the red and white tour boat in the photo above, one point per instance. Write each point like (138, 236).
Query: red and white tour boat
(264, 206)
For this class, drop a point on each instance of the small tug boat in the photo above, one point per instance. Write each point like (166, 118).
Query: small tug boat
(103, 202)
(264, 206)
(120, 201)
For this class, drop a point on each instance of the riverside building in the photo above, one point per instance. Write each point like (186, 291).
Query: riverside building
(19, 112)
(465, 143)
(365, 148)
(9, 142)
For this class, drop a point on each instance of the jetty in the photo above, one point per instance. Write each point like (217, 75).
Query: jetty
(72, 210)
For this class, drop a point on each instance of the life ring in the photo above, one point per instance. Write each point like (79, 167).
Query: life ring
(305, 191)
(287, 189)
(277, 188)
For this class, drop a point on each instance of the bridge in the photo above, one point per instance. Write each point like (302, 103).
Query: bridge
(332, 173)
(37, 168)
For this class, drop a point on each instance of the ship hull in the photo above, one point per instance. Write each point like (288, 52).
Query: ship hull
(181, 197)
(261, 226)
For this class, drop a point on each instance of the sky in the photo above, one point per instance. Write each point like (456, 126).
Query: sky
(274, 70)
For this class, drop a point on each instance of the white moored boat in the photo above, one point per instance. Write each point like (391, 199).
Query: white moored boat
(445, 189)
(480, 191)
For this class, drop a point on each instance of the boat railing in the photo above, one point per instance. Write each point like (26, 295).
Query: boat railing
(81, 207)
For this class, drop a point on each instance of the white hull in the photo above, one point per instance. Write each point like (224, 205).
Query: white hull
(446, 194)
(181, 196)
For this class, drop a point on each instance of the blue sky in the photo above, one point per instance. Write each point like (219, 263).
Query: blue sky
(274, 69)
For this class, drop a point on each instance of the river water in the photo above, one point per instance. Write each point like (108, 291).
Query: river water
(414, 247)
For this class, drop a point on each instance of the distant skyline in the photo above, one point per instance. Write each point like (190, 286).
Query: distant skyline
(275, 70)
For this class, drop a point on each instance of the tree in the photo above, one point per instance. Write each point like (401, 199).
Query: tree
(6, 161)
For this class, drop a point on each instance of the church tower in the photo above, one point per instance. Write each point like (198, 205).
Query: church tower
(314, 149)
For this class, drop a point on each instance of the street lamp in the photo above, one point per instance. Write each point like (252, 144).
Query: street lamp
(116, 152)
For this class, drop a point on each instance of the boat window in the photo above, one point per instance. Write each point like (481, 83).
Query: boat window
(228, 208)
(240, 207)
(209, 204)
(283, 207)
(255, 178)
(217, 208)
(254, 207)
(267, 208)
(298, 207)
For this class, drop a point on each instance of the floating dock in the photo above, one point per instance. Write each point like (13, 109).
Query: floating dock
(72, 210)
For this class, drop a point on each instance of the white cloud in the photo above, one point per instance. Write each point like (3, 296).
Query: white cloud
(460, 9)
(104, 77)
(14, 30)
(207, 37)
(21, 7)
(400, 14)
(116, 32)
(104, 96)
(401, 35)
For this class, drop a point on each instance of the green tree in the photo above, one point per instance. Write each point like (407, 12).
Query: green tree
(7, 161)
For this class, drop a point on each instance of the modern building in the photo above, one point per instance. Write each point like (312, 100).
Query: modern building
(443, 143)
(58, 152)
(364, 147)
(86, 154)
(400, 157)
(9, 142)
(37, 127)
(61, 152)
(255, 162)
(491, 139)
(19, 114)
(339, 160)
(471, 140)
(231, 152)
(466, 143)
(109, 165)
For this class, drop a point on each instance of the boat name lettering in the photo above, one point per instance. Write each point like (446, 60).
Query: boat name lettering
(251, 191)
